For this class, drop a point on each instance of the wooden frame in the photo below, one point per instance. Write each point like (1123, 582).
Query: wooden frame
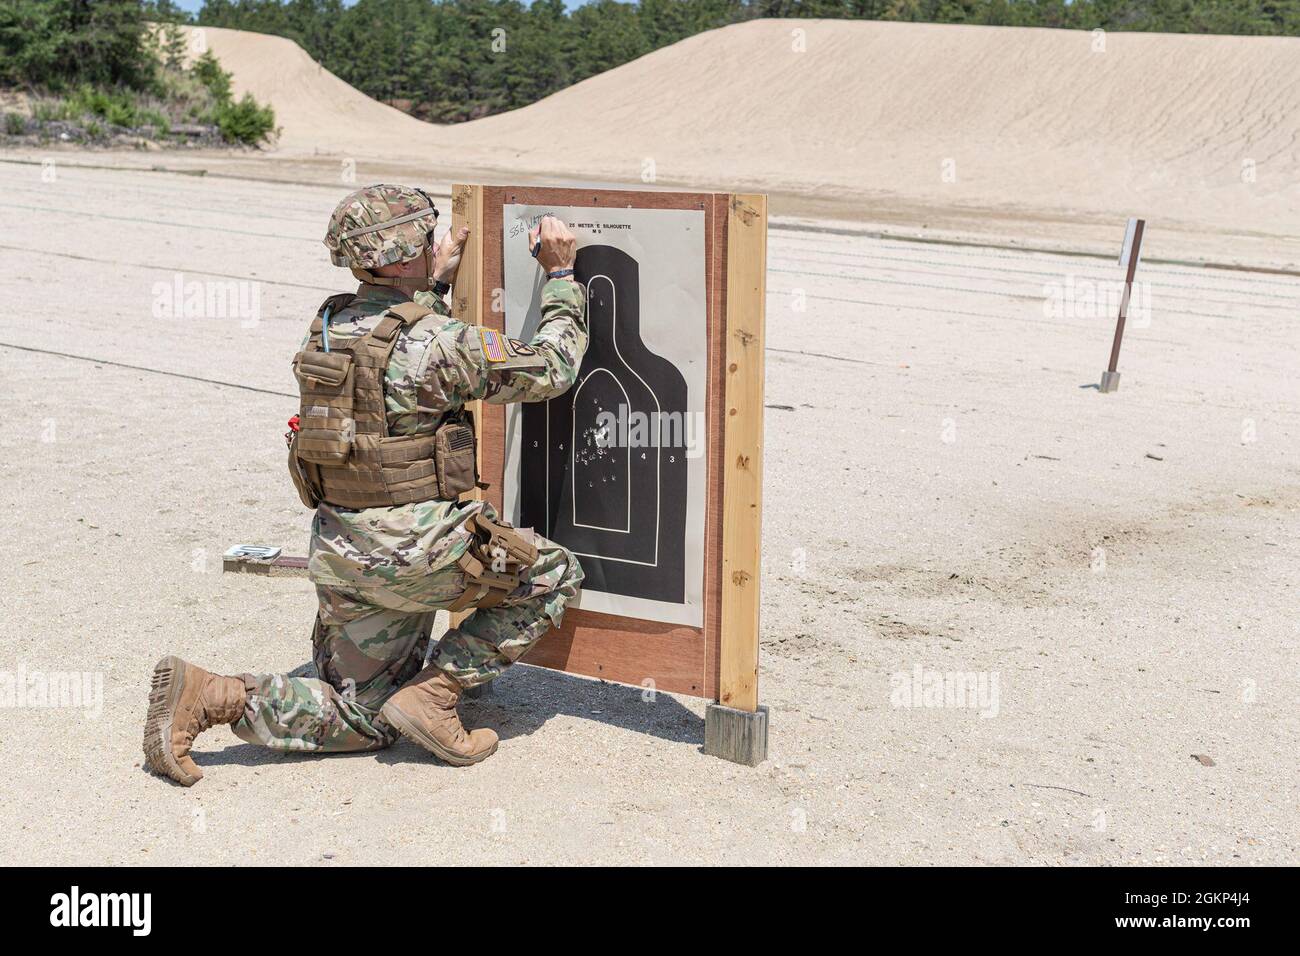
(720, 659)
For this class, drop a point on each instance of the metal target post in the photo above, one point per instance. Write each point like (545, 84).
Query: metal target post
(1132, 251)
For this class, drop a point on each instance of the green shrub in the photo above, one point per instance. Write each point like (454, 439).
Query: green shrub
(15, 125)
(94, 63)
(246, 121)
(184, 98)
(156, 119)
(214, 79)
(50, 110)
(121, 114)
(116, 107)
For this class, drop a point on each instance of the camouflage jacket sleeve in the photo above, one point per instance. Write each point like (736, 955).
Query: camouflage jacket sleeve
(468, 363)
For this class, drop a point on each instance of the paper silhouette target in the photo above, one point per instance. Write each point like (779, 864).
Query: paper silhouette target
(603, 470)
(614, 469)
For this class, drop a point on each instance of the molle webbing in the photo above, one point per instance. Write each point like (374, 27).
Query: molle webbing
(344, 442)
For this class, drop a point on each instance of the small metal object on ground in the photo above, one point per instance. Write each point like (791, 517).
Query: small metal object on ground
(1109, 381)
(736, 735)
(257, 559)
(481, 691)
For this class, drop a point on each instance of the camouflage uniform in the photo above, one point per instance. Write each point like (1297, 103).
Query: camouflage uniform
(382, 573)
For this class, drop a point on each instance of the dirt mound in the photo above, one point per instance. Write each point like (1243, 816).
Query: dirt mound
(1188, 129)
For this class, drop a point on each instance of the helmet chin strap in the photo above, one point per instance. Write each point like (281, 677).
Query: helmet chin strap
(408, 284)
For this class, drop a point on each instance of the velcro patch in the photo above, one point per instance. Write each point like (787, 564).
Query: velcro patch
(494, 344)
(508, 355)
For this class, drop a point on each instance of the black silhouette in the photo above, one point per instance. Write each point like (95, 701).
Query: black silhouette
(612, 487)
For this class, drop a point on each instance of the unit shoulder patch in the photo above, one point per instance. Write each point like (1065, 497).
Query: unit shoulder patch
(502, 352)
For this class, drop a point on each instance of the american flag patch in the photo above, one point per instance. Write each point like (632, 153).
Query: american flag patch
(494, 344)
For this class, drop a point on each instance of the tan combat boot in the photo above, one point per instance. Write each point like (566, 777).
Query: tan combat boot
(424, 711)
(184, 701)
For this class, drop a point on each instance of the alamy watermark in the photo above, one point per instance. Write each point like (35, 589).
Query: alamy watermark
(1076, 298)
(82, 690)
(626, 428)
(130, 910)
(922, 687)
(208, 299)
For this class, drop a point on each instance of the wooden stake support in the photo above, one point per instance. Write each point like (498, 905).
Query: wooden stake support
(735, 727)
(736, 735)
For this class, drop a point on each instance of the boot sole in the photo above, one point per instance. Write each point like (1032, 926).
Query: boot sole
(410, 729)
(164, 693)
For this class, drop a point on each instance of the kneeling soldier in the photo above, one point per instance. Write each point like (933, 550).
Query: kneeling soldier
(383, 451)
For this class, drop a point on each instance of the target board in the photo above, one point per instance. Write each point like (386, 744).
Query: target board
(649, 468)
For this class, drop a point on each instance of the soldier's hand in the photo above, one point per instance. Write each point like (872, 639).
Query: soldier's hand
(447, 255)
(559, 248)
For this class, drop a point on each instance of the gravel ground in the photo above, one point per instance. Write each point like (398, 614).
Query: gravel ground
(1121, 568)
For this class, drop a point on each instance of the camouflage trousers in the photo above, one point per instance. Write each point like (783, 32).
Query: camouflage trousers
(370, 640)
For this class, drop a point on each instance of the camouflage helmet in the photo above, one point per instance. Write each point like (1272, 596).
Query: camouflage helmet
(380, 225)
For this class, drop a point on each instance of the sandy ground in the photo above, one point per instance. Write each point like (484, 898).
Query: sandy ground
(1124, 566)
